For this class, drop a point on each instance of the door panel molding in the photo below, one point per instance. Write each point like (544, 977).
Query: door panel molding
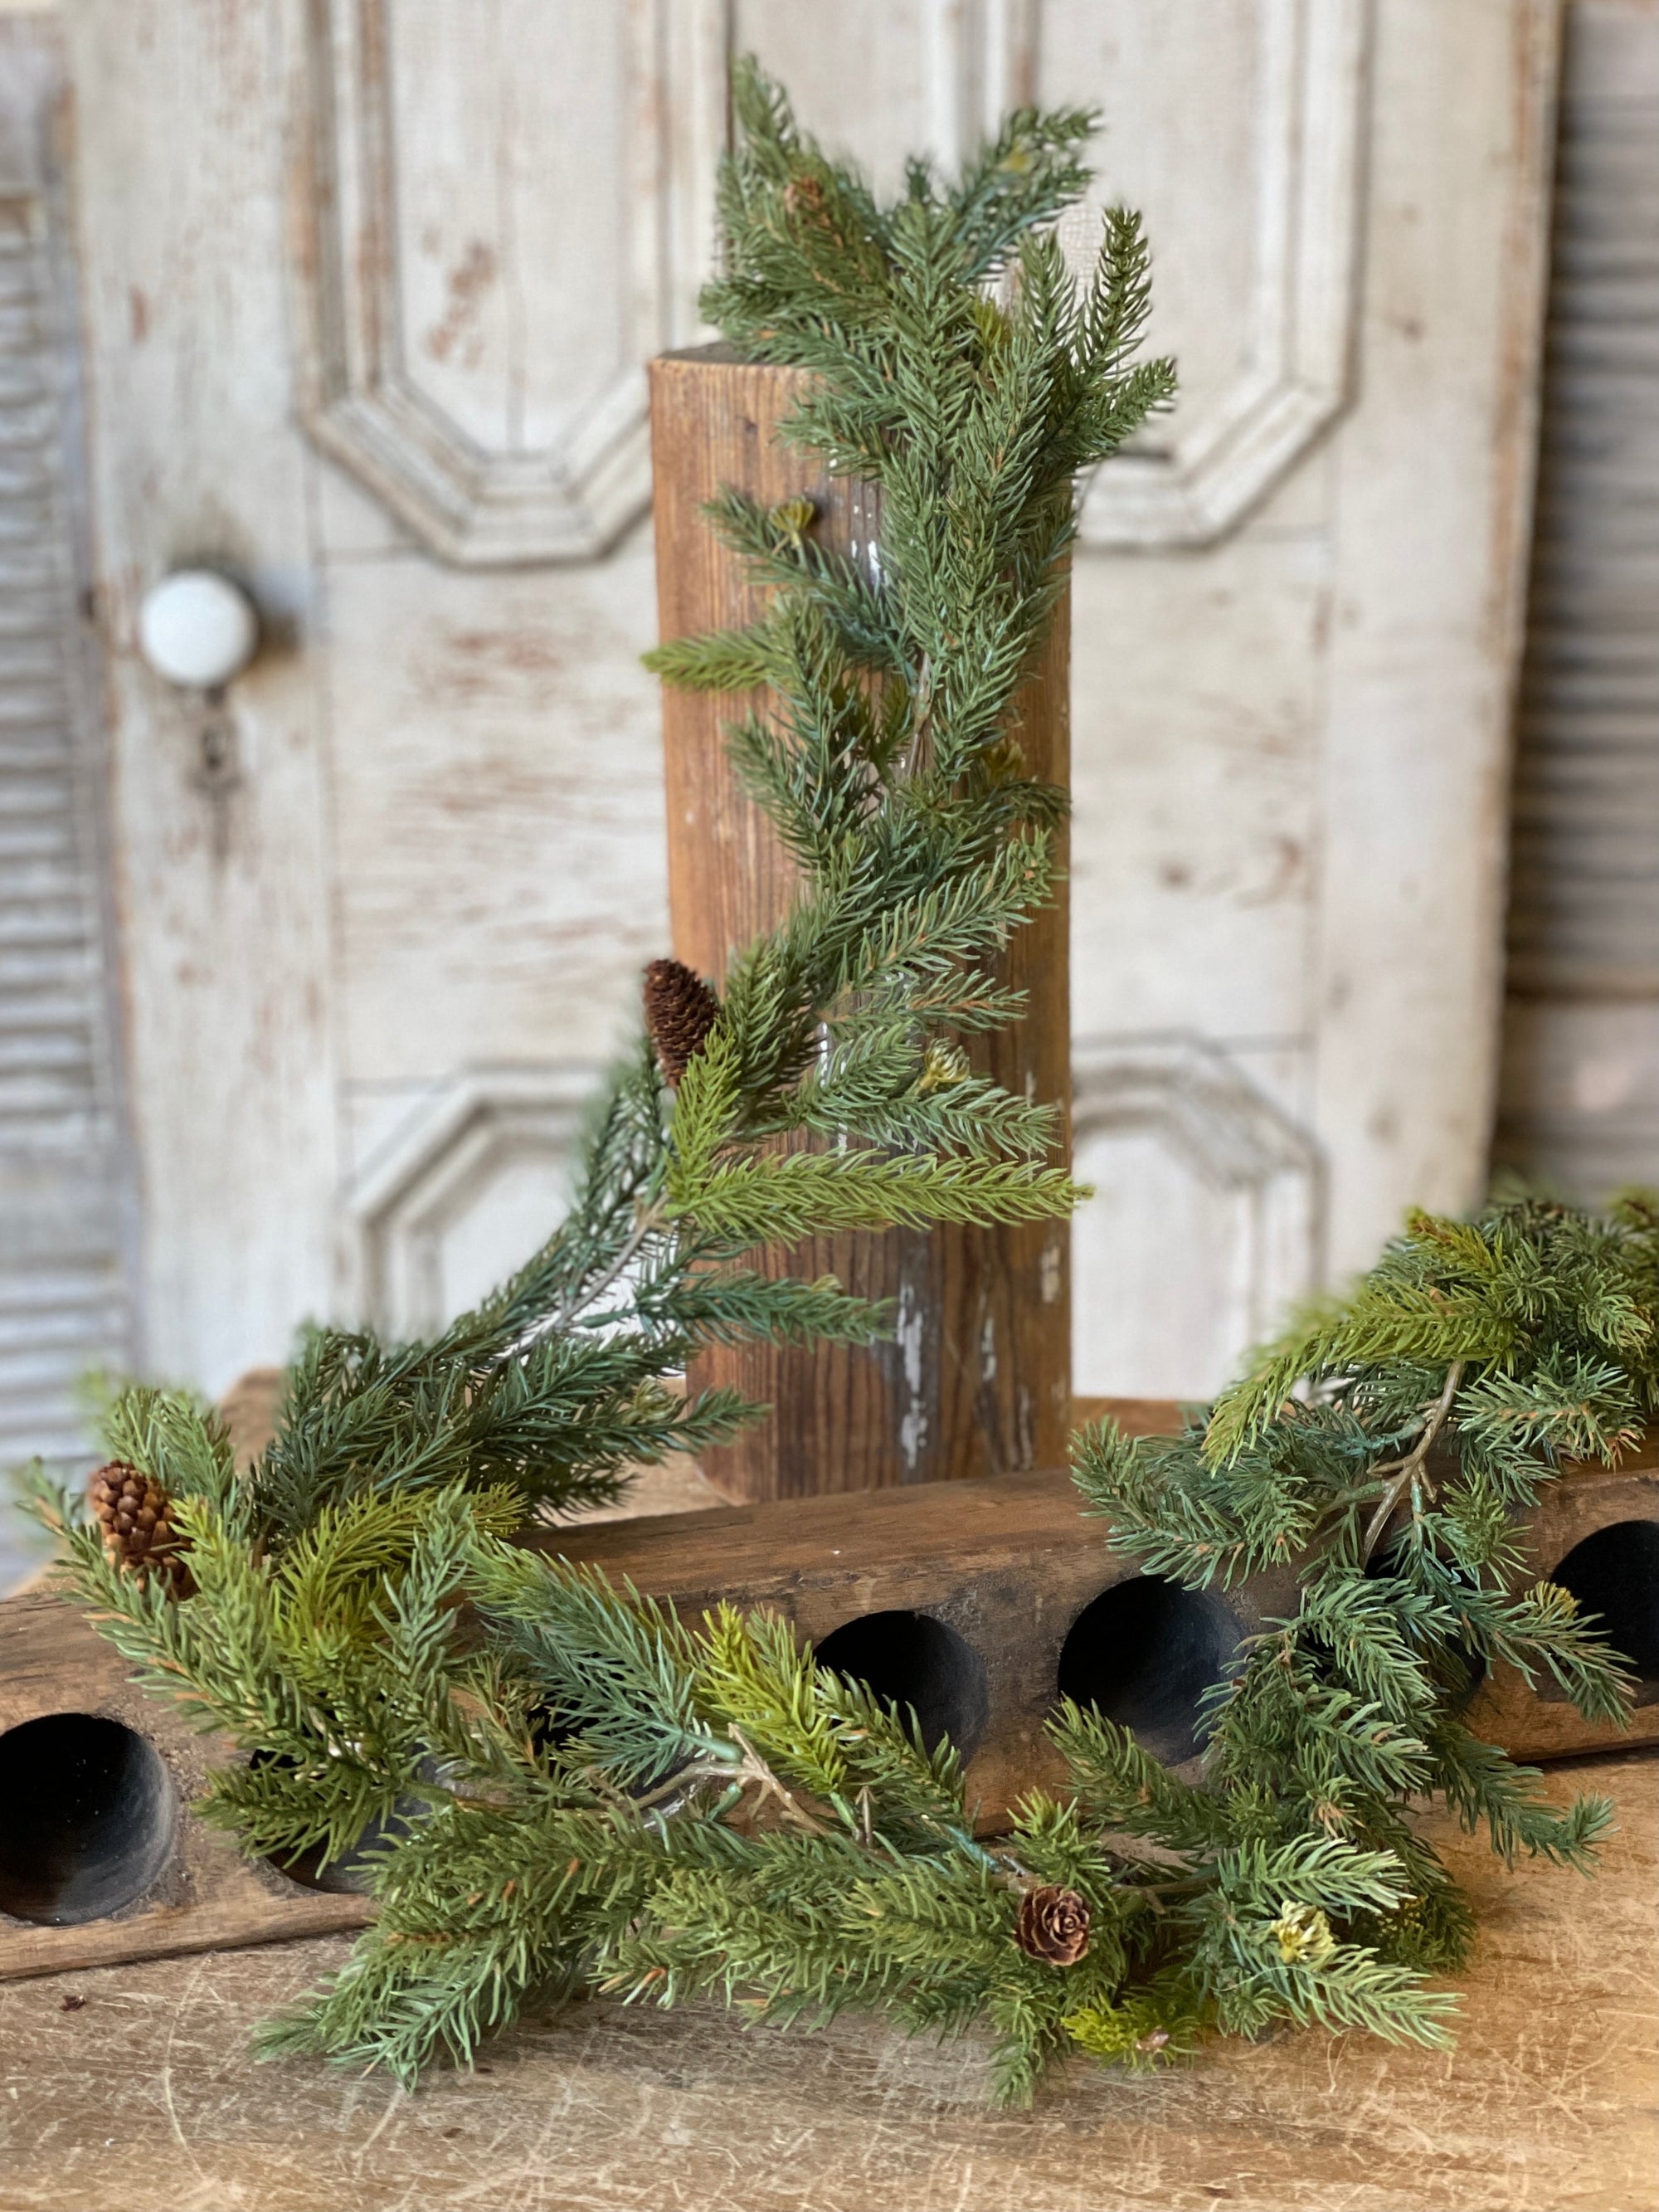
(1182, 1145)
(386, 370)
(463, 1191)
(409, 339)
(1227, 447)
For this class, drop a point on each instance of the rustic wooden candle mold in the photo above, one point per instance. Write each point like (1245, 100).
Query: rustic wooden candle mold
(100, 1858)
(977, 1380)
(978, 1601)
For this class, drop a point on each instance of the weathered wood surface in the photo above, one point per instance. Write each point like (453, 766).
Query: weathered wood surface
(1010, 1565)
(1541, 1724)
(63, 1184)
(979, 1376)
(1006, 1563)
(141, 2099)
(1579, 1108)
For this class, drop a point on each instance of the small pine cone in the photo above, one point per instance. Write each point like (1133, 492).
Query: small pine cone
(1053, 1926)
(680, 1010)
(136, 1515)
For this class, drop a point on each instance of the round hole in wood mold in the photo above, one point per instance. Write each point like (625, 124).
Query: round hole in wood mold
(1143, 1653)
(1615, 1574)
(87, 1817)
(351, 1874)
(918, 1661)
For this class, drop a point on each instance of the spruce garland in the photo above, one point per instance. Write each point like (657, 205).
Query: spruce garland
(573, 1790)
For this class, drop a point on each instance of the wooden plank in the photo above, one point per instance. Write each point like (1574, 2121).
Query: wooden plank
(1579, 1103)
(65, 1184)
(1427, 600)
(134, 2087)
(1011, 1566)
(978, 1379)
(220, 882)
(1540, 1723)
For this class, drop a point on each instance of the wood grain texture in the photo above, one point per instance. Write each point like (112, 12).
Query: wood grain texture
(1428, 596)
(978, 1378)
(1541, 1723)
(141, 2099)
(222, 892)
(1010, 1565)
(1005, 1562)
(66, 1192)
(1579, 1103)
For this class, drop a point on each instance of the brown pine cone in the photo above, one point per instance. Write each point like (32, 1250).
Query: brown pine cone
(1053, 1926)
(680, 1010)
(136, 1515)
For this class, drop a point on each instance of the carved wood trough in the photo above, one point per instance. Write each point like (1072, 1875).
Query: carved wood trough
(978, 1602)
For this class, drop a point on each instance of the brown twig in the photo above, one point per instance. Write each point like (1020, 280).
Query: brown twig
(755, 1769)
(1406, 1470)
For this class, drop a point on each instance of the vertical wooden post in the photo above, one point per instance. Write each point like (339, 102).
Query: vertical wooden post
(977, 1380)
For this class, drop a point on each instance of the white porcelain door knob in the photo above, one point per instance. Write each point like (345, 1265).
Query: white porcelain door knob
(196, 627)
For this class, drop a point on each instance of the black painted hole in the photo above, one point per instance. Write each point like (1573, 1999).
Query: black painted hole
(1142, 1654)
(918, 1661)
(351, 1873)
(1615, 1573)
(88, 1815)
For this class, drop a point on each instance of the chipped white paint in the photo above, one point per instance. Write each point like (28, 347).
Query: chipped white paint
(510, 208)
(910, 1332)
(444, 848)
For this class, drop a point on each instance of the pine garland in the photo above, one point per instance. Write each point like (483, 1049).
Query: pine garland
(575, 1790)
(568, 1788)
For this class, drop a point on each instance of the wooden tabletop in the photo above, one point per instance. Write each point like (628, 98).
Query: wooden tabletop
(129, 2090)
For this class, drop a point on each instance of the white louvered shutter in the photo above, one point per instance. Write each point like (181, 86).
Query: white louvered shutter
(62, 1296)
(1580, 1108)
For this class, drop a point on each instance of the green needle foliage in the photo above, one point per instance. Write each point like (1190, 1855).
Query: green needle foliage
(567, 1788)
(1432, 1405)
(560, 1787)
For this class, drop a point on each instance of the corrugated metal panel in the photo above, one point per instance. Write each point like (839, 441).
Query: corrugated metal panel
(1580, 1105)
(62, 1301)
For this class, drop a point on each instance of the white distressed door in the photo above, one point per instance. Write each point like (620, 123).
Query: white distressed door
(375, 344)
